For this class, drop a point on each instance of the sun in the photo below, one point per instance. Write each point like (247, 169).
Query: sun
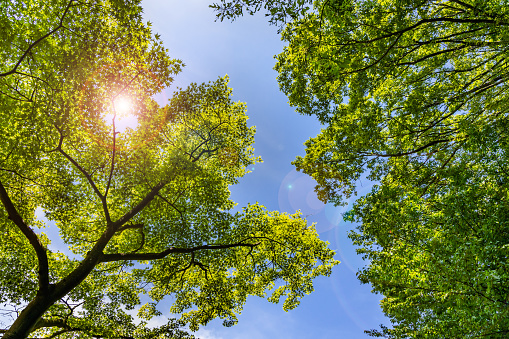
(122, 105)
(123, 115)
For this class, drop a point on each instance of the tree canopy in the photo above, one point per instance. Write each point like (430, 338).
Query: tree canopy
(413, 94)
(142, 211)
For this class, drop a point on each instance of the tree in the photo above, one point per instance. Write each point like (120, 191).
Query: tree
(413, 93)
(144, 210)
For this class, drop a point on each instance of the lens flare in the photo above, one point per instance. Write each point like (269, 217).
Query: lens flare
(123, 105)
(123, 114)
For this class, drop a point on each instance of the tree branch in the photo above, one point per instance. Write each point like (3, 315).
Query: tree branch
(171, 250)
(88, 177)
(41, 323)
(424, 21)
(386, 155)
(21, 176)
(65, 328)
(60, 25)
(130, 226)
(463, 4)
(40, 250)
(112, 154)
(140, 206)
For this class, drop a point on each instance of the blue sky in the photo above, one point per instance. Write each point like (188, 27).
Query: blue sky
(340, 307)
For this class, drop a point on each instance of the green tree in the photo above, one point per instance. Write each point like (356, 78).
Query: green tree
(413, 94)
(144, 210)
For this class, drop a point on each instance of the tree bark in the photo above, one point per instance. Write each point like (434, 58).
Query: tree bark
(27, 319)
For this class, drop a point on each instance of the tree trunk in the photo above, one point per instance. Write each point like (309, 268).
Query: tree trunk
(27, 319)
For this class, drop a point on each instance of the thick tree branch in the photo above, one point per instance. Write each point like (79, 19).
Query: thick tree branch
(130, 226)
(40, 250)
(415, 62)
(65, 328)
(171, 250)
(42, 323)
(140, 206)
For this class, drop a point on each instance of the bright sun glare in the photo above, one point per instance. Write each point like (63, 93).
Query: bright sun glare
(123, 105)
(124, 117)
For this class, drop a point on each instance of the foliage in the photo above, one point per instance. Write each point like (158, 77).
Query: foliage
(414, 94)
(440, 258)
(140, 211)
(278, 11)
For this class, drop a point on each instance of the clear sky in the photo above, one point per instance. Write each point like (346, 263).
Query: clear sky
(340, 307)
